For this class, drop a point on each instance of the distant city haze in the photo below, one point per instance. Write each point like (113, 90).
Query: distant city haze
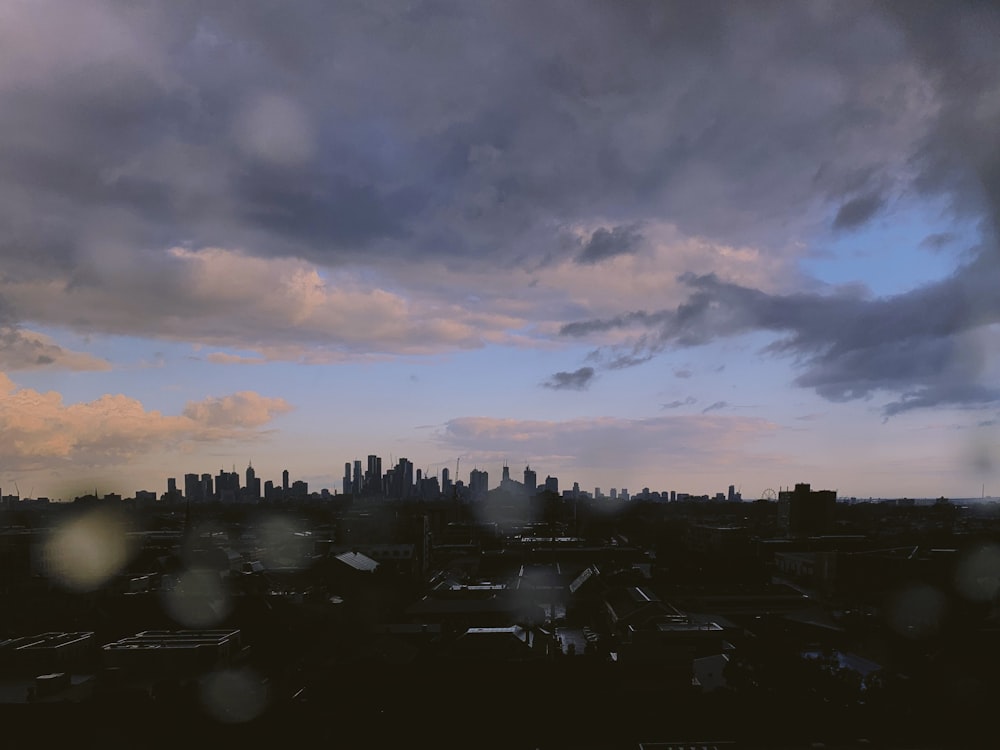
(630, 244)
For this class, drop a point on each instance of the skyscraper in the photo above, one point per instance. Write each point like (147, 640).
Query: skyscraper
(192, 487)
(253, 484)
(530, 480)
(284, 481)
(479, 484)
(373, 476)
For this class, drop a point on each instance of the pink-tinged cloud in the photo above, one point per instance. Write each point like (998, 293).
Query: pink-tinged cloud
(41, 431)
(21, 349)
(609, 444)
(224, 358)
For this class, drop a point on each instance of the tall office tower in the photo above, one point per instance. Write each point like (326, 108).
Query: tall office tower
(614, 494)
(347, 478)
(192, 486)
(732, 492)
(405, 470)
(227, 486)
(552, 484)
(284, 481)
(373, 476)
(207, 492)
(445, 479)
(597, 491)
(479, 484)
(420, 476)
(356, 484)
(171, 488)
(506, 474)
(530, 480)
(673, 496)
(252, 485)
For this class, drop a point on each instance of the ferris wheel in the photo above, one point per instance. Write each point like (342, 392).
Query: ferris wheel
(768, 495)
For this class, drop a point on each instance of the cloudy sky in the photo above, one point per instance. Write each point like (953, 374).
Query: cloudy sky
(674, 245)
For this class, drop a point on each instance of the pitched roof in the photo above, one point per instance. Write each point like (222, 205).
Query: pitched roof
(358, 561)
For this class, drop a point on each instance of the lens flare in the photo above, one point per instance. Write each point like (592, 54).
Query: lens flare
(977, 575)
(198, 599)
(87, 552)
(234, 696)
(917, 611)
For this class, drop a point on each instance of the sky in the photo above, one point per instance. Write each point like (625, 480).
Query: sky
(645, 244)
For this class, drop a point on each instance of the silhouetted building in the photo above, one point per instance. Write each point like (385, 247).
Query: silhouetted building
(227, 486)
(552, 484)
(253, 485)
(192, 487)
(373, 476)
(530, 480)
(479, 484)
(806, 512)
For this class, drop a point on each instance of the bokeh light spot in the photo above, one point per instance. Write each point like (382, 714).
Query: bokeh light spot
(234, 696)
(977, 575)
(85, 553)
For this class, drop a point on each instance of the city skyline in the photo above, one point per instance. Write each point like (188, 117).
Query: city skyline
(697, 246)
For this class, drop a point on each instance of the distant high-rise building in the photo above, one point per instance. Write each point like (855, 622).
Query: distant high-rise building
(530, 480)
(479, 484)
(253, 485)
(401, 479)
(506, 474)
(171, 485)
(357, 483)
(347, 478)
(445, 480)
(732, 493)
(613, 494)
(373, 476)
(552, 484)
(227, 486)
(207, 491)
(192, 487)
(284, 481)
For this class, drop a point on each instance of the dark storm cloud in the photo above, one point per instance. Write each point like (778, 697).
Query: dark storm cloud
(675, 404)
(604, 244)
(858, 211)
(400, 130)
(390, 134)
(577, 380)
(715, 407)
(847, 347)
(920, 345)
